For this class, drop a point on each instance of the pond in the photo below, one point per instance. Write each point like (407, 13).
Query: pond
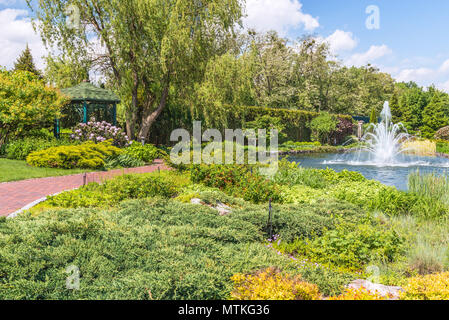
(392, 174)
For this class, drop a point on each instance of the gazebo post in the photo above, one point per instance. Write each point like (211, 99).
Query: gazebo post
(56, 129)
(114, 114)
(85, 111)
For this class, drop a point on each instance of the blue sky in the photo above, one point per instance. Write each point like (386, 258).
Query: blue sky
(411, 43)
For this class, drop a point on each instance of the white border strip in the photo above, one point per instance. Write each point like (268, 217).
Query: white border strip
(33, 204)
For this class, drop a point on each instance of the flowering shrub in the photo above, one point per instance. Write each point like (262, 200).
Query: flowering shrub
(344, 128)
(430, 287)
(99, 132)
(359, 294)
(270, 284)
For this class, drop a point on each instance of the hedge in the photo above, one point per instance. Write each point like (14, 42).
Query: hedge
(295, 121)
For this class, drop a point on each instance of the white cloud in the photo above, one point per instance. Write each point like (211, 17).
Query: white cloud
(374, 53)
(443, 86)
(419, 74)
(279, 15)
(340, 41)
(445, 66)
(17, 31)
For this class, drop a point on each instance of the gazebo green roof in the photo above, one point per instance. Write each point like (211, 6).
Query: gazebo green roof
(86, 91)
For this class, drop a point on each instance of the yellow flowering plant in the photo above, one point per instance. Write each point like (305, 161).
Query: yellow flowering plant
(271, 284)
(429, 287)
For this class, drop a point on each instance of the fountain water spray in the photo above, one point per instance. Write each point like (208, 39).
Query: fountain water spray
(384, 140)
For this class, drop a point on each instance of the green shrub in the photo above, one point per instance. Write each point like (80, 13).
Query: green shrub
(114, 191)
(323, 127)
(292, 222)
(374, 195)
(20, 149)
(87, 155)
(123, 161)
(290, 173)
(146, 153)
(351, 246)
(237, 180)
(443, 147)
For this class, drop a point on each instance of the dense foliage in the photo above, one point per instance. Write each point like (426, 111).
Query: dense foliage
(114, 191)
(87, 155)
(19, 149)
(25, 104)
(270, 284)
(429, 287)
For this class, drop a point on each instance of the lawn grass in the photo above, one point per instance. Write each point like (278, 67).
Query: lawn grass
(14, 170)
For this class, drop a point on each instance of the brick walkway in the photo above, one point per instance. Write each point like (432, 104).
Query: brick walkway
(16, 195)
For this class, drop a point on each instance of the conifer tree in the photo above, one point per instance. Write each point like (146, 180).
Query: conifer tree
(25, 62)
(396, 112)
(373, 116)
(435, 114)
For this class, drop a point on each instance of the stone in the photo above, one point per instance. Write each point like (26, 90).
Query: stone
(195, 201)
(223, 209)
(384, 291)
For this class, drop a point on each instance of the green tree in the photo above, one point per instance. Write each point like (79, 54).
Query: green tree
(373, 116)
(435, 114)
(323, 126)
(395, 108)
(62, 72)
(151, 50)
(25, 62)
(25, 104)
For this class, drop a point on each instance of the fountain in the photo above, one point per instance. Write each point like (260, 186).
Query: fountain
(382, 156)
(384, 140)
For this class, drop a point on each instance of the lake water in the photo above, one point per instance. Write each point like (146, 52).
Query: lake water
(392, 174)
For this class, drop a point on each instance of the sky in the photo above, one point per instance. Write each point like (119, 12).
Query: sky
(408, 39)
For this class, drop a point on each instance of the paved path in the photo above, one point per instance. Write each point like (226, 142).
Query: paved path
(16, 195)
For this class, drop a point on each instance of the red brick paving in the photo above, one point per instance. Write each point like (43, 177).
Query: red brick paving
(16, 195)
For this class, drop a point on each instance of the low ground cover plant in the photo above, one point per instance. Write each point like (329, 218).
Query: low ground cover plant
(113, 191)
(327, 227)
(429, 287)
(350, 246)
(270, 284)
(145, 249)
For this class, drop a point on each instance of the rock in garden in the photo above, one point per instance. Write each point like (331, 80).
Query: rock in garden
(381, 289)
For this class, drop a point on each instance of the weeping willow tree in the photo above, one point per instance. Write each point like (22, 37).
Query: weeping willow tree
(149, 50)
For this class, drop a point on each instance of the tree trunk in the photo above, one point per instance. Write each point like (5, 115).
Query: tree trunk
(149, 117)
(132, 114)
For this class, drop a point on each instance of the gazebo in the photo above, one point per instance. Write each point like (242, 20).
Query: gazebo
(87, 101)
